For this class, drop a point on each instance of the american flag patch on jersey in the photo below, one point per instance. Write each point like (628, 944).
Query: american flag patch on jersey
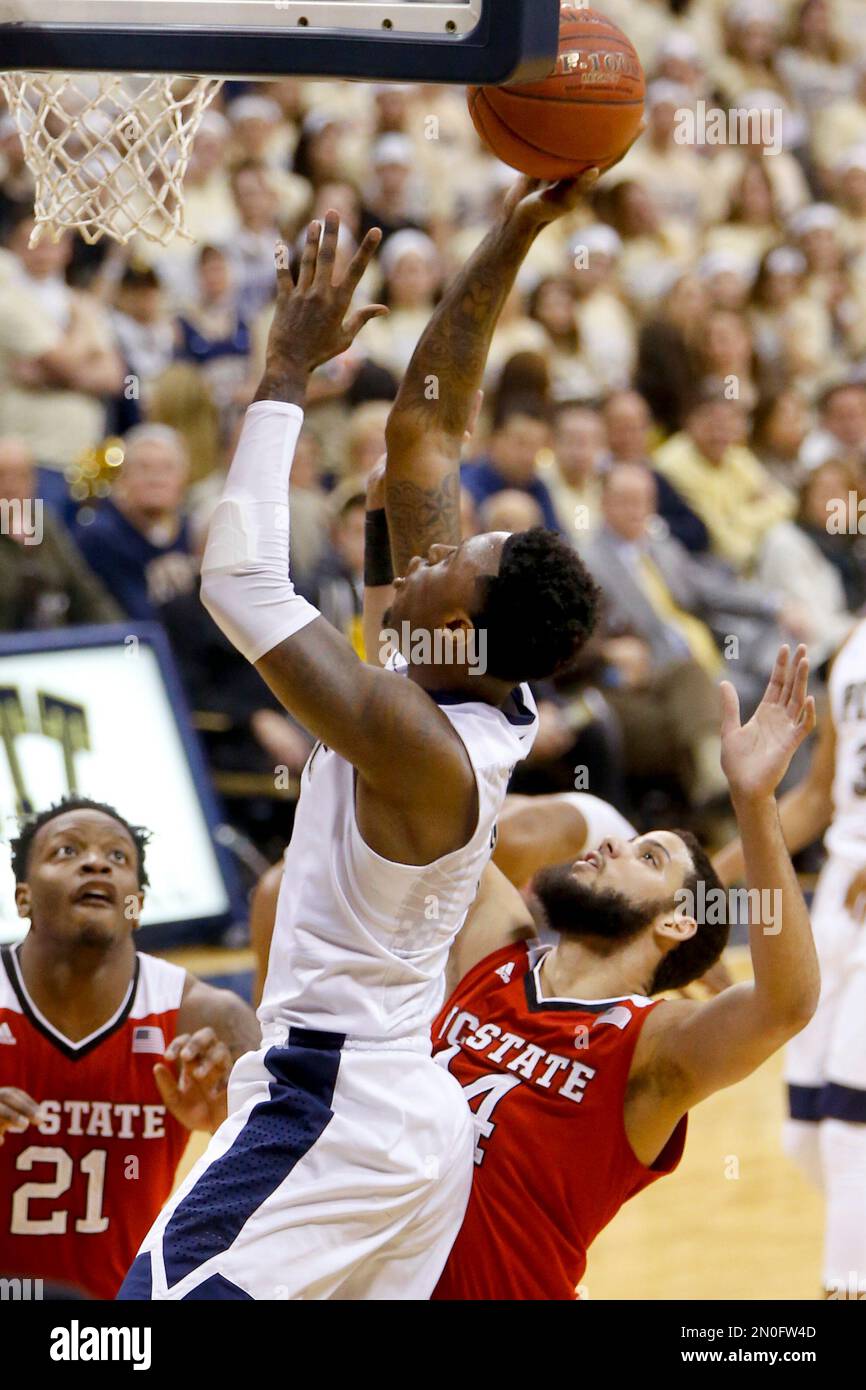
(148, 1040)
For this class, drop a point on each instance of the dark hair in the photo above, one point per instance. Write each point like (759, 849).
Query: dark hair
(23, 843)
(139, 277)
(539, 610)
(532, 405)
(693, 958)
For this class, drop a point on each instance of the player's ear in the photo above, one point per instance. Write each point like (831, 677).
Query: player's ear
(22, 899)
(672, 928)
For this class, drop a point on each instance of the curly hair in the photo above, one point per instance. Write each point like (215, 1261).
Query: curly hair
(539, 610)
(23, 843)
(693, 958)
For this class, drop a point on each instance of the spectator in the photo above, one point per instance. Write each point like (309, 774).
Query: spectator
(251, 249)
(182, 399)
(572, 378)
(779, 427)
(336, 586)
(138, 541)
(663, 662)
(604, 325)
(793, 332)
(667, 350)
(814, 64)
(833, 490)
(257, 138)
(58, 361)
(413, 275)
(793, 563)
(728, 357)
(629, 432)
(394, 201)
(214, 335)
(841, 429)
(722, 480)
(44, 582)
(143, 328)
(574, 479)
(512, 511)
(520, 434)
(16, 180)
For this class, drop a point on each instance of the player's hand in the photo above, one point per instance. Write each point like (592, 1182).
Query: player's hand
(855, 898)
(196, 1094)
(310, 323)
(533, 204)
(17, 1111)
(756, 756)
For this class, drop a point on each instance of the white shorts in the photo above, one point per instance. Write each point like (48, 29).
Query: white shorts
(825, 1065)
(341, 1172)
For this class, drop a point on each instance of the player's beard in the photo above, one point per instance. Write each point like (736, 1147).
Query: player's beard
(577, 910)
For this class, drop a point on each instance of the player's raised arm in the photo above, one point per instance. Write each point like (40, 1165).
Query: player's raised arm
(370, 717)
(434, 405)
(696, 1049)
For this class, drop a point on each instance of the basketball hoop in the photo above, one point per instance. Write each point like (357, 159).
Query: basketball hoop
(108, 151)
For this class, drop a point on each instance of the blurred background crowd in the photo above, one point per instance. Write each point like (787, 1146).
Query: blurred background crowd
(678, 384)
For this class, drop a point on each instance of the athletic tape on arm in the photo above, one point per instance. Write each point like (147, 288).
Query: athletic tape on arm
(245, 584)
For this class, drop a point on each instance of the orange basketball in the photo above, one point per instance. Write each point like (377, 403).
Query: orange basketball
(585, 114)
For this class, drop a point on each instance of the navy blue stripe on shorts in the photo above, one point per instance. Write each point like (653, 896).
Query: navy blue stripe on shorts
(278, 1133)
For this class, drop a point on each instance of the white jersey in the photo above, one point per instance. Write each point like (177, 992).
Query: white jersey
(847, 833)
(360, 944)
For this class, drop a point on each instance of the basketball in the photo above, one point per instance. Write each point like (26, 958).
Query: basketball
(584, 115)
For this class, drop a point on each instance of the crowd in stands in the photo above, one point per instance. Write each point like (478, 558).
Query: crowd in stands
(678, 382)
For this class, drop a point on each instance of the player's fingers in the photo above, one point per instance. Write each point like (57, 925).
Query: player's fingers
(791, 674)
(323, 278)
(362, 316)
(808, 719)
(196, 1046)
(587, 181)
(799, 686)
(174, 1047)
(776, 682)
(17, 1105)
(360, 261)
(730, 708)
(217, 1060)
(166, 1084)
(310, 256)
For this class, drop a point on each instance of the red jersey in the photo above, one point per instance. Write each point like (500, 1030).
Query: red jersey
(546, 1080)
(79, 1193)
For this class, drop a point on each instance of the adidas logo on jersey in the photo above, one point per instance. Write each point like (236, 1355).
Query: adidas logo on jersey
(505, 972)
(6, 1034)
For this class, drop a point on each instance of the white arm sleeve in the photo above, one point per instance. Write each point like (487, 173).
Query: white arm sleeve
(601, 818)
(245, 584)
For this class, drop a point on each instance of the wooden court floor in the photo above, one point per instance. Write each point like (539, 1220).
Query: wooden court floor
(736, 1221)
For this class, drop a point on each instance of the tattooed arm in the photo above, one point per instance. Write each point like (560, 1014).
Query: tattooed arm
(434, 405)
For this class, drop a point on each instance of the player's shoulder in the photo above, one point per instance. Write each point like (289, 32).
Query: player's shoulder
(160, 986)
(501, 967)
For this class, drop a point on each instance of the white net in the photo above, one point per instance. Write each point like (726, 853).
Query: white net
(108, 152)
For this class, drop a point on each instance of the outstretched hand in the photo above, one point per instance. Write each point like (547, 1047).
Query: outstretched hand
(756, 756)
(310, 318)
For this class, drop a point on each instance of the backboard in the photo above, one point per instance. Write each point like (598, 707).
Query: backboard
(485, 42)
